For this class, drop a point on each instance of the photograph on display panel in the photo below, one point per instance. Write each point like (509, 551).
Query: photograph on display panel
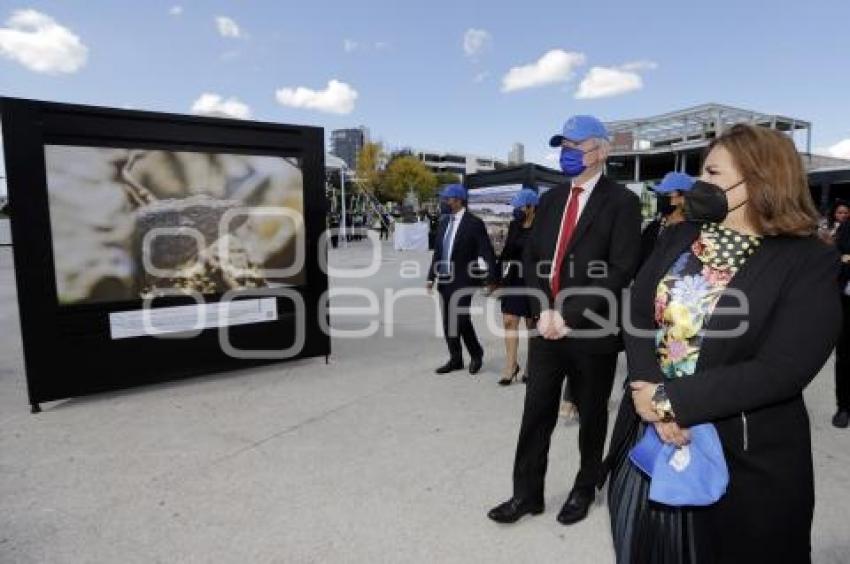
(134, 223)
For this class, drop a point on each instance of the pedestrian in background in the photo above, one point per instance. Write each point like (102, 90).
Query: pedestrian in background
(516, 306)
(669, 197)
(460, 241)
(841, 419)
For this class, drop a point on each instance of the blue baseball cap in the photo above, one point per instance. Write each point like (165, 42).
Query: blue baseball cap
(453, 191)
(525, 197)
(674, 181)
(578, 129)
(695, 474)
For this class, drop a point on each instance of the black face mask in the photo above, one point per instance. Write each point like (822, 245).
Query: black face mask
(664, 205)
(445, 209)
(706, 202)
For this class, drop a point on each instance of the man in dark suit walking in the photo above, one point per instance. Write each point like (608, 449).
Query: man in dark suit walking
(461, 239)
(583, 251)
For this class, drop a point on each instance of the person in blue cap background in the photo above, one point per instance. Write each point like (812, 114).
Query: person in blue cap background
(582, 251)
(669, 197)
(461, 239)
(514, 305)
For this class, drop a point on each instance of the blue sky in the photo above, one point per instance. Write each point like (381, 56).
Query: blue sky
(415, 83)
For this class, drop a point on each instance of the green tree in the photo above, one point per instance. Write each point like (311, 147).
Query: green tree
(444, 178)
(407, 172)
(369, 168)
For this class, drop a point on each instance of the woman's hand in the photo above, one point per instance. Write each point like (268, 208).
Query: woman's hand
(671, 433)
(642, 393)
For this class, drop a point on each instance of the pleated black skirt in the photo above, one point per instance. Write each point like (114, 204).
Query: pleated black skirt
(645, 532)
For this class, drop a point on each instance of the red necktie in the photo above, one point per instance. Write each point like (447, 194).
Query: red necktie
(568, 225)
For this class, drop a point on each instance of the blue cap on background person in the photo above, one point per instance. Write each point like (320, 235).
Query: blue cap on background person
(580, 128)
(674, 182)
(695, 474)
(525, 197)
(453, 191)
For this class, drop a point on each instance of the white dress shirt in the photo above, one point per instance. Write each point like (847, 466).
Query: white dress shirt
(582, 202)
(455, 222)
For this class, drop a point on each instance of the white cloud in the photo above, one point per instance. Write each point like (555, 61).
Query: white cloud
(212, 104)
(337, 98)
(176, 10)
(38, 42)
(227, 27)
(475, 41)
(555, 66)
(229, 56)
(350, 46)
(381, 45)
(840, 150)
(603, 82)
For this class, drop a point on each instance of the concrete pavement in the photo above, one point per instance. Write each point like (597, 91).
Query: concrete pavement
(372, 458)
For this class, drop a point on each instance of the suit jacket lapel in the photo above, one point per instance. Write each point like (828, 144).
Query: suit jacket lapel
(679, 241)
(441, 236)
(742, 283)
(597, 197)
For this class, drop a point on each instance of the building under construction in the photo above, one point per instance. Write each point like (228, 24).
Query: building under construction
(645, 149)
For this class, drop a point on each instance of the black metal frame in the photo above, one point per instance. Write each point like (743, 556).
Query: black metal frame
(68, 350)
(527, 175)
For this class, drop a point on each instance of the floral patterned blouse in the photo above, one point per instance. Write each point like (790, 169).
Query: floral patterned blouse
(688, 293)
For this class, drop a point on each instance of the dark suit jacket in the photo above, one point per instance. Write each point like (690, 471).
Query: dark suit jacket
(750, 386)
(471, 241)
(603, 254)
(511, 257)
(842, 243)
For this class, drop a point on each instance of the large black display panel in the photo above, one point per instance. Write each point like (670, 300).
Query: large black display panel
(153, 246)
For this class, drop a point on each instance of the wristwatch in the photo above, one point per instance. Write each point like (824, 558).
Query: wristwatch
(661, 405)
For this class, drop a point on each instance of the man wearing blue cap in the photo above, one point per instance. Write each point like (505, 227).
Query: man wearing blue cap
(461, 239)
(670, 202)
(582, 252)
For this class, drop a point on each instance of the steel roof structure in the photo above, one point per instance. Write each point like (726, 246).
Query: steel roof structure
(694, 127)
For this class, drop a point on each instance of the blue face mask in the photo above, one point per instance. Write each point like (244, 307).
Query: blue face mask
(519, 214)
(572, 161)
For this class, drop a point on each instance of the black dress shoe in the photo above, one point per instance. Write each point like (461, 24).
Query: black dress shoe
(513, 509)
(577, 505)
(475, 365)
(450, 366)
(841, 419)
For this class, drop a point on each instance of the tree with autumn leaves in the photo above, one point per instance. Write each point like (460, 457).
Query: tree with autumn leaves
(402, 172)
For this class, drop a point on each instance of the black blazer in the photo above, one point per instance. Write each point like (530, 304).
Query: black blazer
(842, 243)
(603, 253)
(471, 241)
(750, 386)
(512, 254)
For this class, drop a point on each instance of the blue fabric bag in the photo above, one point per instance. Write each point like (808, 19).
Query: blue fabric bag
(695, 474)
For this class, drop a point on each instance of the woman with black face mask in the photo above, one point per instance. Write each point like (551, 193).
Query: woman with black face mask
(514, 305)
(730, 318)
(669, 198)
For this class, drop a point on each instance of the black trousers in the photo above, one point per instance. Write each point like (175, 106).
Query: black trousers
(457, 324)
(842, 360)
(590, 378)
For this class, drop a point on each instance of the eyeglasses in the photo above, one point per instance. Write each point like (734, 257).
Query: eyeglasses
(565, 144)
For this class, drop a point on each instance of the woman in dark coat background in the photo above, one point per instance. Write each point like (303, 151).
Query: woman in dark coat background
(730, 318)
(841, 419)
(515, 306)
